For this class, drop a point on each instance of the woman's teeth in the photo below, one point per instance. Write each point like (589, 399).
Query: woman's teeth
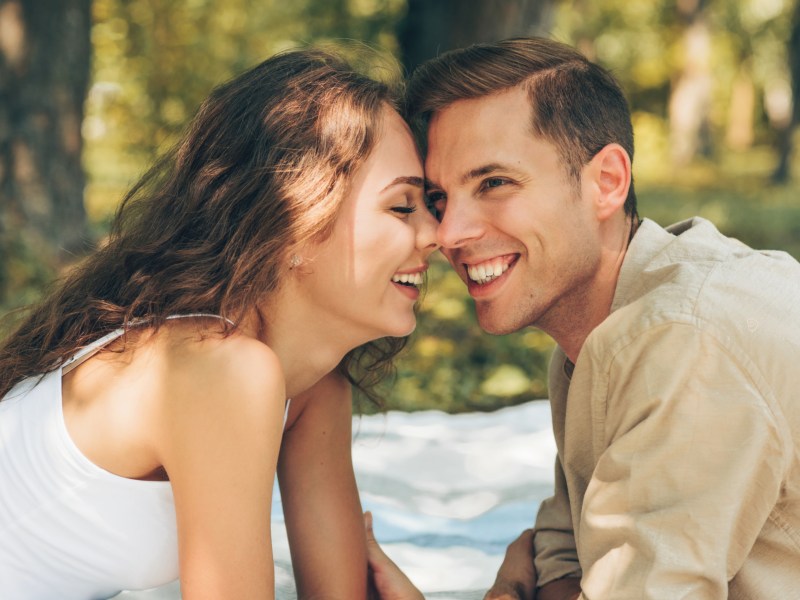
(486, 272)
(412, 279)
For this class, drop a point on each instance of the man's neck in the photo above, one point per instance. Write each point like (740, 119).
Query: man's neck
(571, 331)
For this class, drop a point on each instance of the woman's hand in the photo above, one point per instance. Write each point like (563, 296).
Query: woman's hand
(516, 579)
(386, 580)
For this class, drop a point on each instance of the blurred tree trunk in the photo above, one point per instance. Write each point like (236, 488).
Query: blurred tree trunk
(785, 146)
(690, 99)
(432, 27)
(740, 131)
(45, 51)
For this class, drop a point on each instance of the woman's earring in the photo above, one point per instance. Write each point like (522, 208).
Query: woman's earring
(295, 261)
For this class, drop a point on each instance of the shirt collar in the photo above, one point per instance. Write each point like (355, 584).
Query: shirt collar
(649, 241)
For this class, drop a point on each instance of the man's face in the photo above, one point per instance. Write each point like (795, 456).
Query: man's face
(514, 226)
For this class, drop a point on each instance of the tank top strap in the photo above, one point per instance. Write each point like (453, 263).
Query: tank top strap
(87, 352)
(286, 411)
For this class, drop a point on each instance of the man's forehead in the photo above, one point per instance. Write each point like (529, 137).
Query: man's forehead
(480, 119)
(454, 157)
(476, 136)
(514, 102)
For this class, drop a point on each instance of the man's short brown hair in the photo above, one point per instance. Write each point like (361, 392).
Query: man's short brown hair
(576, 105)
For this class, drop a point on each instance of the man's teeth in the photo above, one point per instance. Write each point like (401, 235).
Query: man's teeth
(486, 272)
(414, 279)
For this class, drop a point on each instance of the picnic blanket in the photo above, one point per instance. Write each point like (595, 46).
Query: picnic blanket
(447, 493)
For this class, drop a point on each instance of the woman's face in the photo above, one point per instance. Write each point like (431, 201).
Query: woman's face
(366, 276)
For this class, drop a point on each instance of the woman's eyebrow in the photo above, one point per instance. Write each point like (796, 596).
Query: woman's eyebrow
(406, 179)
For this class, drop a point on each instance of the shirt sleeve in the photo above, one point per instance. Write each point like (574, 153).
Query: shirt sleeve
(554, 540)
(689, 466)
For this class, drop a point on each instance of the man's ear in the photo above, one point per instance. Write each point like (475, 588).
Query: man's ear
(610, 172)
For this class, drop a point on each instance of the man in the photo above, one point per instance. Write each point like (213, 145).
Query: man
(674, 387)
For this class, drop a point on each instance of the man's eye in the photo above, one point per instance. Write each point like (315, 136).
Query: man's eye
(494, 182)
(435, 202)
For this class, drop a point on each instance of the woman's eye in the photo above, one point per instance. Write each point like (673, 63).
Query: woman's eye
(404, 210)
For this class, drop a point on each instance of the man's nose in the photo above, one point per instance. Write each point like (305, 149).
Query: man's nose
(459, 225)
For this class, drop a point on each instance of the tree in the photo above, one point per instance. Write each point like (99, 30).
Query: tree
(690, 100)
(782, 172)
(435, 26)
(45, 51)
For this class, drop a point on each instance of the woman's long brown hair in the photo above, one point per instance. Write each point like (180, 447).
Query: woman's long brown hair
(210, 228)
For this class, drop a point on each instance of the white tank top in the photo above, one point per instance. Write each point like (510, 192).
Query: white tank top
(69, 529)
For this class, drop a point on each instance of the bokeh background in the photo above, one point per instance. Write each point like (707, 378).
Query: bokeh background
(92, 90)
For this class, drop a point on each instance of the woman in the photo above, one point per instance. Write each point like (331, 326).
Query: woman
(145, 413)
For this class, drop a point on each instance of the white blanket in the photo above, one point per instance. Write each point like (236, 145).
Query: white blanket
(447, 493)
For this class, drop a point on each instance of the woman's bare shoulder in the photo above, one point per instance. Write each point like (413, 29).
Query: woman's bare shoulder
(230, 388)
(208, 361)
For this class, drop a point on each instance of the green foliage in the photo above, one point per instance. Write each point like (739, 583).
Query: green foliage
(25, 271)
(745, 207)
(155, 60)
(641, 43)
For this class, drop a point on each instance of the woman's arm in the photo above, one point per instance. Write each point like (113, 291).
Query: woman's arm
(218, 438)
(320, 499)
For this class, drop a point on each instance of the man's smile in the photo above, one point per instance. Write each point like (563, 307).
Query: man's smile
(488, 270)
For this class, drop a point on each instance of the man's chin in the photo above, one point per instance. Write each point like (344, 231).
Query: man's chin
(494, 323)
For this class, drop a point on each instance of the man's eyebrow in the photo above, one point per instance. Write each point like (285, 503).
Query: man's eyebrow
(475, 173)
(405, 179)
(481, 171)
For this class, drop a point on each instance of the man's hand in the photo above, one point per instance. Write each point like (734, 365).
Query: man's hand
(568, 588)
(386, 580)
(516, 579)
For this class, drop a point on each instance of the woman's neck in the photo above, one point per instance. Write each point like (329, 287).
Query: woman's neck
(307, 343)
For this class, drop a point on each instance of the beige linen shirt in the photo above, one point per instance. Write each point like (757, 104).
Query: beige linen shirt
(678, 473)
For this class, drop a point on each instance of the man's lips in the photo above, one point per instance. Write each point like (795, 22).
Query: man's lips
(485, 271)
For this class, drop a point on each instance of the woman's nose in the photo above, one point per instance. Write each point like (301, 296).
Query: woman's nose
(427, 233)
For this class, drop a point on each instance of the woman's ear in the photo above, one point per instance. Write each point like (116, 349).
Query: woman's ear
(610, 170)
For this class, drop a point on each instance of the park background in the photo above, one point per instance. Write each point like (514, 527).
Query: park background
(92, 90)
